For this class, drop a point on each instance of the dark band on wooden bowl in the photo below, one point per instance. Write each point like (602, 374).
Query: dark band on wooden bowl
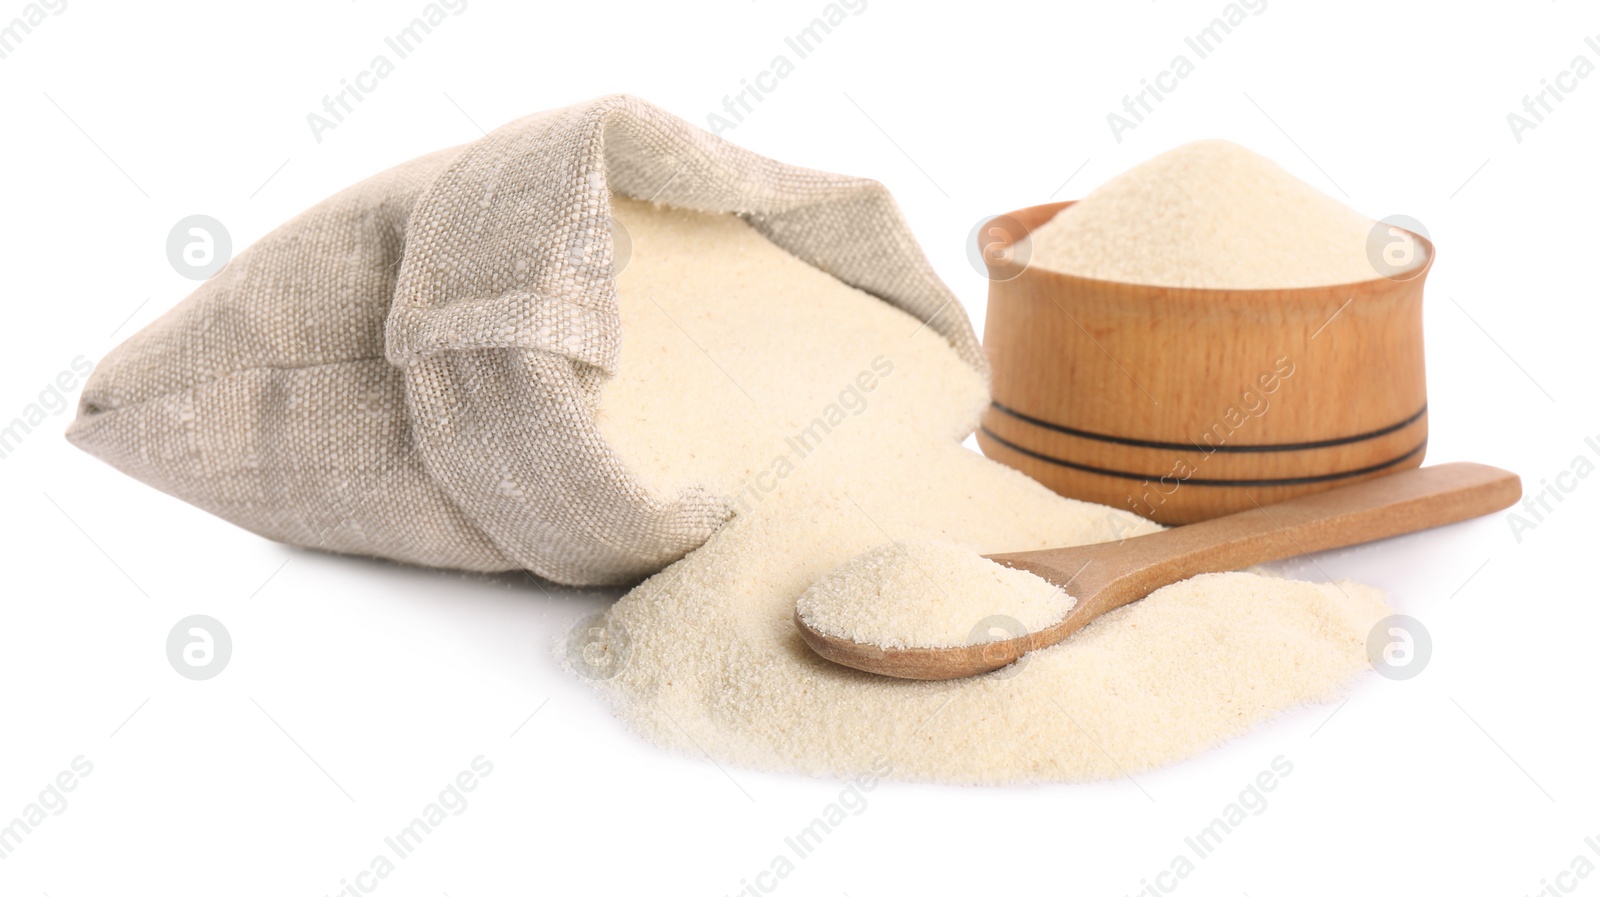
(1191, 446)
(1200, 481)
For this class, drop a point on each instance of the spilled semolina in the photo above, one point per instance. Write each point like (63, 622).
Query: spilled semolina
(833, 423)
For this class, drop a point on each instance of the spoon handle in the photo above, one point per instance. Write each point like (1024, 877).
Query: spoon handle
(1376, 509)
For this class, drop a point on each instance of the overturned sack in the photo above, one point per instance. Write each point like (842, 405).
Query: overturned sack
(410, 368)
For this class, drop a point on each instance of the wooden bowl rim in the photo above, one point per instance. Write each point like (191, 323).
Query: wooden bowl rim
(1044, 212)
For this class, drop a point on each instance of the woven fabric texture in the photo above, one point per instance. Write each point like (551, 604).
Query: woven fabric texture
(410, 368)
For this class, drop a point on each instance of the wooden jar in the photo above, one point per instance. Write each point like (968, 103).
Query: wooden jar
(1185, 404)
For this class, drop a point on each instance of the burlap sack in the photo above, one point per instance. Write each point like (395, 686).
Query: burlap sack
(410, 368)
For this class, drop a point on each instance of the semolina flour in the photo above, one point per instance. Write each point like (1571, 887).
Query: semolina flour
(834, 422)
(929, 595)
(1212, 215)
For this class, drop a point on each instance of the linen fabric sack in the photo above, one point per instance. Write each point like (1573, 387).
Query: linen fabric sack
(410, 368)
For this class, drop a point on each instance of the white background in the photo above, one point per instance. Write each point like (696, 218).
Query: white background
(357, 689)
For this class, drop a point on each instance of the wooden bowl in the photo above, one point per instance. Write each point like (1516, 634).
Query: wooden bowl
(1186, 404)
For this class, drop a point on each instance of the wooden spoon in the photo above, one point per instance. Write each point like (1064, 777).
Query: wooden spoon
(1108, 575)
